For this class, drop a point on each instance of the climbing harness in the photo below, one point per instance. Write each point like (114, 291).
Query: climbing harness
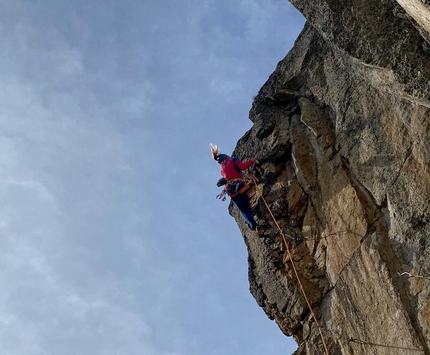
(234, 187)
(284, 238)
(239, 192)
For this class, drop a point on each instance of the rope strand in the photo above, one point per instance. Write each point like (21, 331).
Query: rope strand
(294, 267)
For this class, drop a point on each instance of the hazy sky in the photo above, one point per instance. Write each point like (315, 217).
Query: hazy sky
(111, 240)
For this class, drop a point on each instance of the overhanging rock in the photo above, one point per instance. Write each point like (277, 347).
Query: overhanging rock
(344, 126)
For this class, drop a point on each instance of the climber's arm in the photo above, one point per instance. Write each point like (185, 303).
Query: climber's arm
(245, 165)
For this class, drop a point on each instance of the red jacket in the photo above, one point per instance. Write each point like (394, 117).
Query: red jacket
(229, 172)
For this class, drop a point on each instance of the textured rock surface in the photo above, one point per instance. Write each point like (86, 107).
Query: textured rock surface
(344, 127)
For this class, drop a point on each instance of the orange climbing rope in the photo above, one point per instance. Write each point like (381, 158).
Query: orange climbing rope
(294, 267)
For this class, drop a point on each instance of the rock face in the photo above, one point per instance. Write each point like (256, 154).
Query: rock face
(343, 129)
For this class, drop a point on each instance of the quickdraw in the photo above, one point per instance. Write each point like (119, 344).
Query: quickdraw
(221, 195)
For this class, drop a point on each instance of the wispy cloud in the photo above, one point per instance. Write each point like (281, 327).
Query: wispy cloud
(106, 244)
(60, 157)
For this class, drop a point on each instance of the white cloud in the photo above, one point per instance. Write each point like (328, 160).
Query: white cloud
(41, 191)
(101, 249)
(60, 156)
(43, 313)
(259, 17)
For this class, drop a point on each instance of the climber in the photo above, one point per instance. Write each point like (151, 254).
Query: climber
(234, 186)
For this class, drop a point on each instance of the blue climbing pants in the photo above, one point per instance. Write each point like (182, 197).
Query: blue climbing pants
(241, 201)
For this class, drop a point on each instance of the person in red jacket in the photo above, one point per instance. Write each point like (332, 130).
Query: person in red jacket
(231, 172)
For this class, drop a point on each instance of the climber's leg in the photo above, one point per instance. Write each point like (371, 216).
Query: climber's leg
(242, 203)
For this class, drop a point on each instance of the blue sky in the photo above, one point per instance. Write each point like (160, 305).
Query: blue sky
(112, 241)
